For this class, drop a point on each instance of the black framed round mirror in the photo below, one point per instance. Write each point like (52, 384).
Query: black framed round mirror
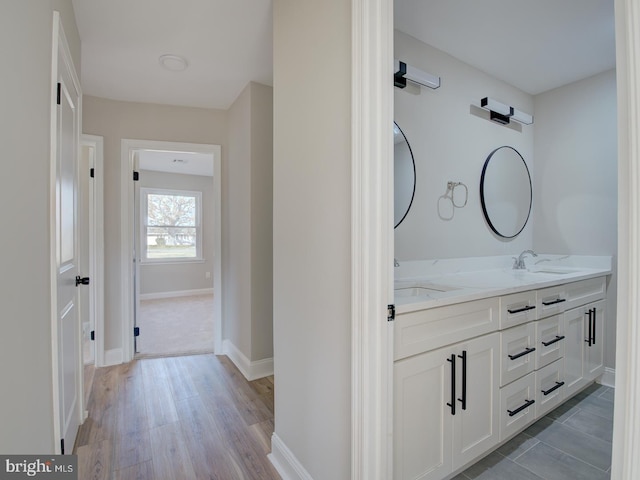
(505, 192)
(404, 176)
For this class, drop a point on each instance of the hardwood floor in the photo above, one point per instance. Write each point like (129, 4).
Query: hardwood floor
(193, 417)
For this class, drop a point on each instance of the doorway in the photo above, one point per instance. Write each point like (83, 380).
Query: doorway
(155, 253)
(173, 236)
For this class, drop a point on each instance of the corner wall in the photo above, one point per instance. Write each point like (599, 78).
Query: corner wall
(248, 266)
(575, 181)
(312, 238)
(451, 140)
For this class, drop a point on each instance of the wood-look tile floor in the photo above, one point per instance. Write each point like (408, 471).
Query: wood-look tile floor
(193, 417)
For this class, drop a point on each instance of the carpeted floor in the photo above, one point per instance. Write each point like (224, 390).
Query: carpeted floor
(175, 326)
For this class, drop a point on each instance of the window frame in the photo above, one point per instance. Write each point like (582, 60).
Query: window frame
(144, 195)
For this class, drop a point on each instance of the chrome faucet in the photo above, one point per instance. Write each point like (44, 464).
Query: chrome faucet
(518, 263)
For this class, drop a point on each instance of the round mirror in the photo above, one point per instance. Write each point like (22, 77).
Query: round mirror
(404, 176)
(505, 192)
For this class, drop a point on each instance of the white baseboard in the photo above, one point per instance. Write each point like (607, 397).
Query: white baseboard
(285, 462)
(250, 370)
(113, 357)
(608, 378)
(177, 293)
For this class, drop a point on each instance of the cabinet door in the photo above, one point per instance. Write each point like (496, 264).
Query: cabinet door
(476, 426)
(575, 331)
(594, 353)
(422, 423)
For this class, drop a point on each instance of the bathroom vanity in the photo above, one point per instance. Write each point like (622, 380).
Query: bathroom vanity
(482, 350)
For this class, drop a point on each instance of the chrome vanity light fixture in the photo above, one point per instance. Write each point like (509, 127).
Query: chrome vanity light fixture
(404, 72)
(503, 114)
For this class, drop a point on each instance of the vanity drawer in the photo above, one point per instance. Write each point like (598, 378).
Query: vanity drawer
(517, 308)
(517, 406)
(551, 301)
(550, 387)
(585, 291)
(424, 330)
(517, 352)
(550, 340)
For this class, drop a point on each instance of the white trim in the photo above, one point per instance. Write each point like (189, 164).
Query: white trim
(176, 294)
(250, 370)
(608, 378)
(96, 240)
(128, 147)
(372, 238)
(626, 428)
(113, 357)
(285, 462)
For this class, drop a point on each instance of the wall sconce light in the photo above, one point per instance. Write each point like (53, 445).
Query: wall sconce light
(503, 114)
(404, 72)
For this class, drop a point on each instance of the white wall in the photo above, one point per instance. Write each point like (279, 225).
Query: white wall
(248, 264)
(26, 405)
(575, 181)
(451, 140)
(312, 233)
(180, 276)
(115, 120)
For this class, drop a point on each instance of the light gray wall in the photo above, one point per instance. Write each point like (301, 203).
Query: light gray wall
(575, 182)
(26, 405)
(312, 233)
(175, 277)
(451, 143)
(248, 270)
(115, 120)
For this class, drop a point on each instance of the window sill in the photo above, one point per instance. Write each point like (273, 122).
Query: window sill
(172, 261)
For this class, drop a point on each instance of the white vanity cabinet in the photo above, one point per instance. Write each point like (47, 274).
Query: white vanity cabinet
(468, 376)
(445, 408)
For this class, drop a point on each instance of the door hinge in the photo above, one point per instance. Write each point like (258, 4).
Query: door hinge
(62, 446)
(136, 176)
(93, 335)
(58, 95)
(391, 313)
(92, 172)
(136, 331)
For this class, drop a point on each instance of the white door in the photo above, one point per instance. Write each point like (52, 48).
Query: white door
(67, 329)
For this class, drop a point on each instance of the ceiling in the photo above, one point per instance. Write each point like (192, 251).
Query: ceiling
(185, 163)
(535, 45)
(226, 42)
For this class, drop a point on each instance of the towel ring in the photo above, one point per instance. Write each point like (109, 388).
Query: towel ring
(452, 186)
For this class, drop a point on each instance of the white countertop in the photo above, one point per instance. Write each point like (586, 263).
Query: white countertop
(420, 285)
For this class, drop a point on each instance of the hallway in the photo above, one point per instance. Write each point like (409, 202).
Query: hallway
(193, 417)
